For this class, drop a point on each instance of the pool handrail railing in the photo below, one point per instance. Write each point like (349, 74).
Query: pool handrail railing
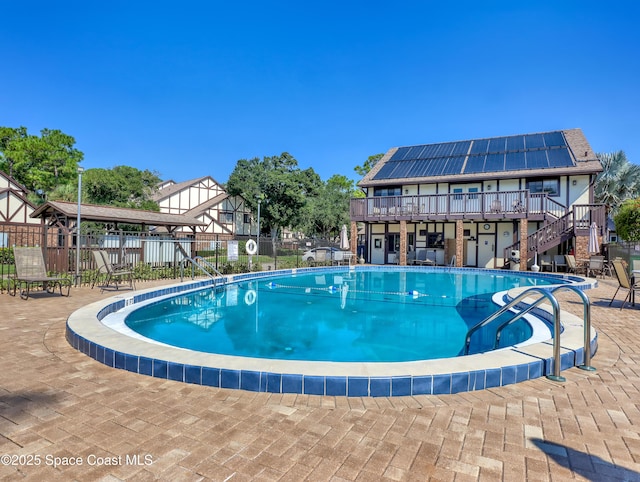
(549, 295)
(202, 264)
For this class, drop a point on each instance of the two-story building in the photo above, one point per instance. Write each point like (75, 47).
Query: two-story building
(206, 200)
(473, 202)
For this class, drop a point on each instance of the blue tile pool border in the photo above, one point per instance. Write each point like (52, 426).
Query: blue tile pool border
(329, 385)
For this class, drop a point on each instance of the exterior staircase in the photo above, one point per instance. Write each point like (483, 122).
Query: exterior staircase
(556, 231)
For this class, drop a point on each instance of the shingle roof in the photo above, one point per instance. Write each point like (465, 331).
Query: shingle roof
(527, 155)
(91, 212)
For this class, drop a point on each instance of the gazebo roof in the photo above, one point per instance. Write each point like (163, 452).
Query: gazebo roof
(110, 214)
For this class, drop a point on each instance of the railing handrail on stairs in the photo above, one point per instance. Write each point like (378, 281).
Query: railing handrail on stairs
(552, 233)
(195, 263)
(547, 294)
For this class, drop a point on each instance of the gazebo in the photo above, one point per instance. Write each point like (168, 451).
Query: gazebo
(63, 218)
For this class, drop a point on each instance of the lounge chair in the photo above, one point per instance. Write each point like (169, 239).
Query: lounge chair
(105, 267)
(423, 258)
(620, 269)
(31, 270)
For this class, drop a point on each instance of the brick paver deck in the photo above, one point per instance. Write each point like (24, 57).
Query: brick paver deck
(59, 407)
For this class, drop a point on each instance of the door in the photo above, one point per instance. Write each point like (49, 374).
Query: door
(377, 249)
(486, 250)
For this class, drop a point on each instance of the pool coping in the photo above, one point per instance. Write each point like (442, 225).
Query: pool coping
(86, 333)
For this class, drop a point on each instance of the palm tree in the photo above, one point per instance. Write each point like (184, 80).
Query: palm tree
(619, 180)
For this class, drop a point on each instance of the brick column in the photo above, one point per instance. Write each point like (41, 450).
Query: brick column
(581, 248)
(354, 238)
(524, 248)
(459, 243)
(403, 243)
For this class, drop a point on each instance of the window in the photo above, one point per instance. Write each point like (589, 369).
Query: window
(548, 186)
(435, 240)
(473, 190)
(393, 241)
(387, 191)
(457, 193)
(247, 218)
(226, 217)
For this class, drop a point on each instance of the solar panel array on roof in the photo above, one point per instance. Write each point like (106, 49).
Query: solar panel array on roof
(529, 151)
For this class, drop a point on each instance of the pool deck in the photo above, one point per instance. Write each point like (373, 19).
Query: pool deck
(97, 423)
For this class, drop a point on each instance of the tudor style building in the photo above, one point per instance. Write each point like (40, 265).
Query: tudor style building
(471, 203)
(206, 200)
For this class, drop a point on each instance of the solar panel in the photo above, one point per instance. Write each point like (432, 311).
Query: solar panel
(386, 170)
(514, 161)
(399, 154)
(554, 139)
(497, 144)
(530, 151)
(536, 159)
(559, 157)
(494, 162)
(437, 166)
(453, 166)
(515, 143)
(479, 146)
(421, 168)
(533, 141)
(403, 169)
(461, 148)
(474, 164)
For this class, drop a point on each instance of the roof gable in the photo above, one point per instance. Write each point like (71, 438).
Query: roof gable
(167, 190)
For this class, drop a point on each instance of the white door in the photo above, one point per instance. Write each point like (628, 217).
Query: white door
(377, 249)
(486, 250)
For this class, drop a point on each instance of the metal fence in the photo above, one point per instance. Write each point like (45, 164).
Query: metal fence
(628, 251)
(150, 255)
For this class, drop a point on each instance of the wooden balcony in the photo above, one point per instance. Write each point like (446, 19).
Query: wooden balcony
(448, 207)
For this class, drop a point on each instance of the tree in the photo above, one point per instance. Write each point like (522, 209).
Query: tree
(39, 163)
(628, 220)
(368, 164)
(619, 180)
(329, 208)
(281, 186)
(123, 186)
(7, 136)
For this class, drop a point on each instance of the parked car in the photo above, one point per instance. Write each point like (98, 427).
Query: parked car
(330, 254)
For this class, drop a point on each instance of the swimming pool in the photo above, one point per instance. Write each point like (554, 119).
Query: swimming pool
(367, 315)
(101, 332)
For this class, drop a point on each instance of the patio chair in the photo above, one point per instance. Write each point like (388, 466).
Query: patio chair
(546, 262)
(31, 270)
(496, 206)
(117, 274)
(624, 282)
(596, 266)
(572, 266)
(559, 261)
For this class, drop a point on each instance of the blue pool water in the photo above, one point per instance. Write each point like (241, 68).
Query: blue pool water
(352, 316)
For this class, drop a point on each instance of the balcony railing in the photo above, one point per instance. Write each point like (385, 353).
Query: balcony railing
(475, 205)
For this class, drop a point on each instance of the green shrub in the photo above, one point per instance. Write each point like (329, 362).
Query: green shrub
(6, 256)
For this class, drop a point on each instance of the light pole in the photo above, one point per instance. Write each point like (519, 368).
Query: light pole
(80, 171)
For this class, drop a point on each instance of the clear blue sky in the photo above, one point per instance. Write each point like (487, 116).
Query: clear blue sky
(188, 88)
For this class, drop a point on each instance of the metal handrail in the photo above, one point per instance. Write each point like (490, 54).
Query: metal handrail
(586, 321)
(199, 259)
(545, 294)
(195, 263)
